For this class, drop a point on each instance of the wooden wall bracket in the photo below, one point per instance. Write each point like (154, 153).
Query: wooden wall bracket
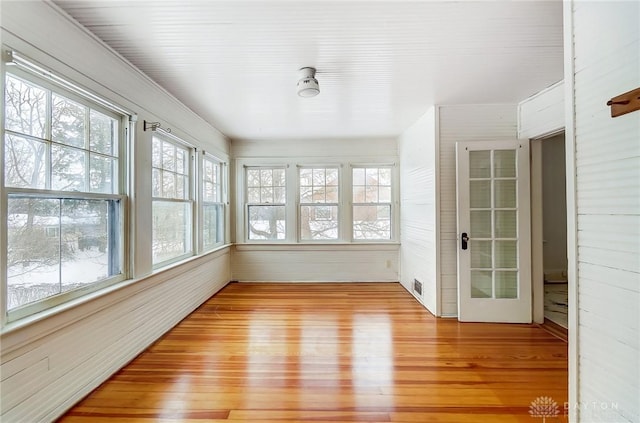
(625, 103)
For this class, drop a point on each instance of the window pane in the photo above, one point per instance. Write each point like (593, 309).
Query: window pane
(213, 224)
(359, 194)
(279, 195)
(266, 222)
(25, 107)
(67, 169)
(253, 195)
(506, 284)
(480, 164)
(103, 132)
(371, 176)
(371, 194)
(480, 194)
(385, 176)
(278, 178)
(319, 177)
(481, 223)
(266, 195)
(505, 193)
(506, 254)
(372, 222)
(168, 156)
(332, 177)
(101, 174)
(306, 194)
(169, 185)
(33, 250)
(253, 178)
(182, 187)
(171, 231)
(306, 178)
(67, 121)
(481, 254)
(481, 284)
(504, 163)
(156, 153)
(358, 176)
(266, 177)
(506, 223)
(24, 162)
(88, 238)
(384, 194)
(156, 182)
(331, 195)
(58, 245)
(319, 222)
(181, 161)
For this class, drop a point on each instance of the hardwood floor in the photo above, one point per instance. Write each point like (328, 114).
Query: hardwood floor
(330, 353)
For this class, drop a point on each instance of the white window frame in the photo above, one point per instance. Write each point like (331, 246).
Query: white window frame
(247, 204)
(339, 204)
(189, 200)
(390, 203)
(60, 86)
(221, 202)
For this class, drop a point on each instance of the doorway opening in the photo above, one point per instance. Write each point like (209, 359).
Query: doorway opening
(549, 231)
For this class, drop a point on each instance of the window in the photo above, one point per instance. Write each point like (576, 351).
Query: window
(172, 204)
(62, 169)
(372, 203)
(212, 203)
(266, 198)
(319, 198)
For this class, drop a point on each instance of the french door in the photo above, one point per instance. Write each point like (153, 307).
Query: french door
(493, 213)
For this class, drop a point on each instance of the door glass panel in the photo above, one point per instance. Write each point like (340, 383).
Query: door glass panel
(505, 193)
(481, 284)
(480, 164)
(504, 163)
(506, 254)
(505, 223)
(506, 284)
(480, 194)
(481, 223)
(480, 254)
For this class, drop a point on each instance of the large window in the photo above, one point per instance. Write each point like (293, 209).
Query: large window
(172, 203)
(62, 176)
(266, 198)
(319, 199)
(372, 203)
(213, 216)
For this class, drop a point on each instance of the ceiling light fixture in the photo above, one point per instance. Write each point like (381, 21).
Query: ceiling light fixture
(308, 84)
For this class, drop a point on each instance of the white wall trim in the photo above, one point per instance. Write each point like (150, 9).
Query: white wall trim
(572, 211)
(438, 311)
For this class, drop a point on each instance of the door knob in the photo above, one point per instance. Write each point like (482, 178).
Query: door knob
(464, 240)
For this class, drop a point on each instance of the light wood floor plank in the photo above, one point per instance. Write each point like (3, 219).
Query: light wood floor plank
(267, 352)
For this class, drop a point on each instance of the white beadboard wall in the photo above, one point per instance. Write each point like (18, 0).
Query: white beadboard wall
(542, 114)
(52, 361)
(483, 122)
(606, 50)
(418, 223)
(314, 262)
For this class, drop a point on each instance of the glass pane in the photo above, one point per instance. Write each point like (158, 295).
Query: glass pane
(88, 239)
(182, 188)
(33, 250)
(371, 194)
(506, 284)
(385, 176)
(266, 178)
(266, 195)
(168, 156)
(182, 164)
(253, 195)
(156, 182)
(213, 224)
(207, 170)
(372, 222)
(306, 194)
(332, 177)
(253, 178)
(358, 194)
(479, 164)
(319, 177)
(480, 254)
(101, 172)
(67, 169)
(68, 121)
(208, 192)
(358, 176)
(103, 132)
(480, 194)
(169, 185)
(25, 107)
(156, 153)
(24, 162)
(279, 178)
(385, 194)
(171, 230)
(279, 195)
(505, 193)
(371, 176)
(332, 194)
(319, 222)
(481, 224)
(481, 284)
(506, 223)
(306, 177)
(267, 222)
(318, 194)
(506, 254)
(504, 163)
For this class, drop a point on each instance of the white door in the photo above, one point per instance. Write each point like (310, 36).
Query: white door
(494, 259)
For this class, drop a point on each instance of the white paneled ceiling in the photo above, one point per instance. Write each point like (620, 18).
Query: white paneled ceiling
(380, 64)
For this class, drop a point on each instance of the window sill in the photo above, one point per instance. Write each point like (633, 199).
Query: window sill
(317, 246)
